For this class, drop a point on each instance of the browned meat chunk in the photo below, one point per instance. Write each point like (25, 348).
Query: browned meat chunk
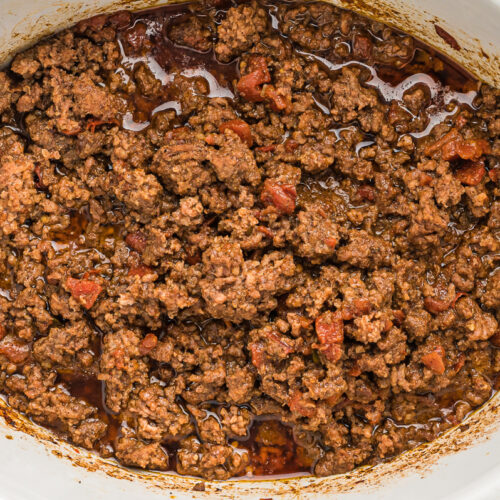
(247, 238)
(252, 21)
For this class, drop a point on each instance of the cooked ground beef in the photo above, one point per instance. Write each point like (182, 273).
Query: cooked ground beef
(247, 239)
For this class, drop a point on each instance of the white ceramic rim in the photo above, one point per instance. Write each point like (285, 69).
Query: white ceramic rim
(464, 464)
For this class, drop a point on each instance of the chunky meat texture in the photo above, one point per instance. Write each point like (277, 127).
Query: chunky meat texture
(252, 21)
(236, 289)
(220, 254)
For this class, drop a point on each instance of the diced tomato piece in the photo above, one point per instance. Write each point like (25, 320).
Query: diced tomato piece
(240, 128)
(330, 328)
(15, 350)
(136, 241)
(331, 242)
(330, 332)
(282, 196)
(140, 270)
(250, 88)
(434, 360)
(425, 179)
(472, 173)
(148, 343)
(452, 135)
(299, 404)
(366, 192)
(257, 354)
(83, 290)
(450, 150)
(250, 85)
(470, 149)
(453, 146)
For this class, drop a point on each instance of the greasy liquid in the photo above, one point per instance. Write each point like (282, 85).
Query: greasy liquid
(270, 444)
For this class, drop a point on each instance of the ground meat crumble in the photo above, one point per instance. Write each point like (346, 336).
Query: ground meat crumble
(227, 249)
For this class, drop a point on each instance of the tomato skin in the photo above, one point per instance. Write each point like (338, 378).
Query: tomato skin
(250, 85)
(148, 343)
(434, 360)
(435, 306)
(282, 196)
(266, 149)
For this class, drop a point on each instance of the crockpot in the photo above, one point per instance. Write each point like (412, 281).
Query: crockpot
(464, 463)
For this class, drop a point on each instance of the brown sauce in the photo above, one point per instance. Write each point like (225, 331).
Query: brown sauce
(270, 444)
(166, 58)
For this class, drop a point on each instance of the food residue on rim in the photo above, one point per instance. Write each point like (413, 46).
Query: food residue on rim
(449, 39)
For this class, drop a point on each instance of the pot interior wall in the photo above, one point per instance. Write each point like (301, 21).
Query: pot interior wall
(475, 27)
